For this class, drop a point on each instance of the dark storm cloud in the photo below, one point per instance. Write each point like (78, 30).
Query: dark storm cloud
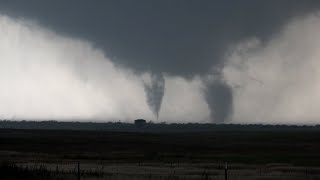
(178, 37)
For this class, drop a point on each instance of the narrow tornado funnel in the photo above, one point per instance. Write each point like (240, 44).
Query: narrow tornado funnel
(154, 92)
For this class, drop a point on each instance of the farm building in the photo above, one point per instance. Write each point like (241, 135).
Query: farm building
(140, 122)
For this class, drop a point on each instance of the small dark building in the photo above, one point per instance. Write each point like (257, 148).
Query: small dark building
(140, 122)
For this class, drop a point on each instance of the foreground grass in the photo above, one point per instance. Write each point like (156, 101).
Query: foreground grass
(255, 154)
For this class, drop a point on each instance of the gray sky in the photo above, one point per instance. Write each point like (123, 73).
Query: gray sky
(180, 38)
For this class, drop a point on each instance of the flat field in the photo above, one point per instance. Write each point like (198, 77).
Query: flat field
(251, 154)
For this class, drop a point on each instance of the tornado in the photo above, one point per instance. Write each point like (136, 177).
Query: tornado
(154, 92)
(219, 97)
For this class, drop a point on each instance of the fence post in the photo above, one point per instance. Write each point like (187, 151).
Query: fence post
(226, 171)
(306, 172)
(78, 170)
(260, 171)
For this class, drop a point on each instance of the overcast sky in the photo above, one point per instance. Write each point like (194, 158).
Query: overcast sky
(165, 39)
(181, 37)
